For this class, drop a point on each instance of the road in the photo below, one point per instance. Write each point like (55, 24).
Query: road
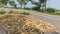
(2, 31)
(52, 19)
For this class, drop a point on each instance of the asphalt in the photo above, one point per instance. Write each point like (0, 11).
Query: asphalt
(2, 31)
(52, 19)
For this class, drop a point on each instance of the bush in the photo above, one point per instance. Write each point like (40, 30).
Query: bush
(35, 8)
(58, 13)
(27, 8)
(51, 10)
(2, 12)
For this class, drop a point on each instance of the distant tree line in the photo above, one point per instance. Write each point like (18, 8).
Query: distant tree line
(38, 5)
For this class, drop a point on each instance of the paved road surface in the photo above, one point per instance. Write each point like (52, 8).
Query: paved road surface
(54, 20)
(2, 31)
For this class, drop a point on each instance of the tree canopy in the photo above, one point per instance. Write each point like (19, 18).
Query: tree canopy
(38, 5)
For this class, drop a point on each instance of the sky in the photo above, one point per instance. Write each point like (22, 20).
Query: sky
(53, 3)
(50, 3)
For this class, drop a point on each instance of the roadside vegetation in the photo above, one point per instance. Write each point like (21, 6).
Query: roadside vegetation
(13, 12)
(39, 5)
(2, 12)
(52, 11)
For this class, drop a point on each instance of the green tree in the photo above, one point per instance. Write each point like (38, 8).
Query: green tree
(44, 4)
(51, 10)
(15, 5)
(37, 6)
(12, 3)
(41, 3)
(3, 2)
(22, 2)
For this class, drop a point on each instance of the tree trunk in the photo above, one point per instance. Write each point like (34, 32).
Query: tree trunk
(45, 6)
(2, 5)
(21, 6)
(15, 6)
(24, 6)
(39, 7)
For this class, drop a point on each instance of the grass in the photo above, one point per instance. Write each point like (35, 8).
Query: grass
(2, 12)
(54, 13)
(26, 12)
(13, 12)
